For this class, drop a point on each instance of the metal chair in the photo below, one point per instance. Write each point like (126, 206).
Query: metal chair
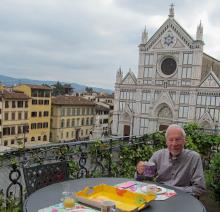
(39, 176)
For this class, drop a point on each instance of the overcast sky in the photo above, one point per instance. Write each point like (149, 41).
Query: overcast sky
(85, 41)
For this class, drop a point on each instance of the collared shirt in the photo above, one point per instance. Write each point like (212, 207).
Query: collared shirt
(184, 172)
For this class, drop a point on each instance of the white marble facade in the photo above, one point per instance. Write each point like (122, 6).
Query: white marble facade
(176, 83)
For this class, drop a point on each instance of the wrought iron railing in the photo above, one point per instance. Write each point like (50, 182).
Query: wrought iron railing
(85, 159)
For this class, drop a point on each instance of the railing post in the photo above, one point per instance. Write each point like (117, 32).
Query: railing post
(14, 181)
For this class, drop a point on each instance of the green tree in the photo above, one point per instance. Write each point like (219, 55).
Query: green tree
(58, 89)
(89, 89)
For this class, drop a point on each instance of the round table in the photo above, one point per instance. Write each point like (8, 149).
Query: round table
(52, 194)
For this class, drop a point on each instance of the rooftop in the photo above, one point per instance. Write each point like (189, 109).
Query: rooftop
(71, 100)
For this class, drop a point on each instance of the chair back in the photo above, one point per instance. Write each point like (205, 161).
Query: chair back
(39, 176)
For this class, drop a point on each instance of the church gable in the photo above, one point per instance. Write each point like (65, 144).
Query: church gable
(170, 35)
(210, 81)
(169, 39)
(129, 79)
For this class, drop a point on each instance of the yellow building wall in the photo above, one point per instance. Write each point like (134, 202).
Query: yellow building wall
(35, 133)
(13, 123)
(65, 133)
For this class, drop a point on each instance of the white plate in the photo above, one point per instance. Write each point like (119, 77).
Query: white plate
(162, 190)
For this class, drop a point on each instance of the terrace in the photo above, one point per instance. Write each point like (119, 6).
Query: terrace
(115, 157)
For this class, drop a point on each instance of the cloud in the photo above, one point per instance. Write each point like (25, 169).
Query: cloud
(86, 41)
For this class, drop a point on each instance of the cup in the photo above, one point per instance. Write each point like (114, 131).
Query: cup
(108, 206)
(149, 169)
(68, 201)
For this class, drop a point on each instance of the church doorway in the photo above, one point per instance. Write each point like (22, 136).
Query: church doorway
(165, 117)
(126, 130)
(163, 127)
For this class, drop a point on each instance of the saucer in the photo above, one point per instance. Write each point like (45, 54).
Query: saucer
(160, 190)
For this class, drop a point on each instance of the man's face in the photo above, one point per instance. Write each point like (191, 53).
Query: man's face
(175, 141)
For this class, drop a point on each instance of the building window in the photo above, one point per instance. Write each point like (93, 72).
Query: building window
(6, 104)
(34, 93)
(144, 126)
(5, 143)
(187, 73)
(78, 111)
(67, 134)
(87, 121)
(62, 123)
(82, 122)
(68, 123)
(39, 125)
(149, 59)
(184, 98)
(33, 126)
(46, 113)
(44, 138)
(19, 115)
(12, 142)
(81, 132)
(73, 112)
(13, 104)
(40, 114)
(73, 122)
(13, 116)
(77, 122)
(45, 125)
(26, 104)
(187, 58)
(20, 104)
(146, 96)
(63, 112)
(68, 111)
(12, 130)
(19, 129)
(34, 114)
(145, 108)
(148, 72)
(25, 115)
(46, 102)
(6, 131)
(34, 102)
(91, 121)
(183, 112)
(32, 138)
(121, 106)
(40, 102)
(6, 116)
(39, 138)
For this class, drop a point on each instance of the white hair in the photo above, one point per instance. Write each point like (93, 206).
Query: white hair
(176, 127)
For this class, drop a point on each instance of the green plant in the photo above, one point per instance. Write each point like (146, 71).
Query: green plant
(128, 158)
(213, 176)
(73, 168)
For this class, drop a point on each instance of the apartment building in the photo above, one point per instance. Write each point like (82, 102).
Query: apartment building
(13, 118)
(102, 112)
(39, 112)
(72, 118)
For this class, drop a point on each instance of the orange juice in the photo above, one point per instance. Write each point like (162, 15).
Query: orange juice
(68, 202)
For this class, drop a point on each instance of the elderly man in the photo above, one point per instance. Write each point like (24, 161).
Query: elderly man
(179, 167)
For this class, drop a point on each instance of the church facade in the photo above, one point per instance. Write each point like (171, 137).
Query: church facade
(176, 83)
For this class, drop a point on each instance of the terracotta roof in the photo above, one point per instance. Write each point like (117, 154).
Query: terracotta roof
(42, 87)
(71, 100)
(210, 63)
(101, 107)
(105, 96)
(14, 95)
